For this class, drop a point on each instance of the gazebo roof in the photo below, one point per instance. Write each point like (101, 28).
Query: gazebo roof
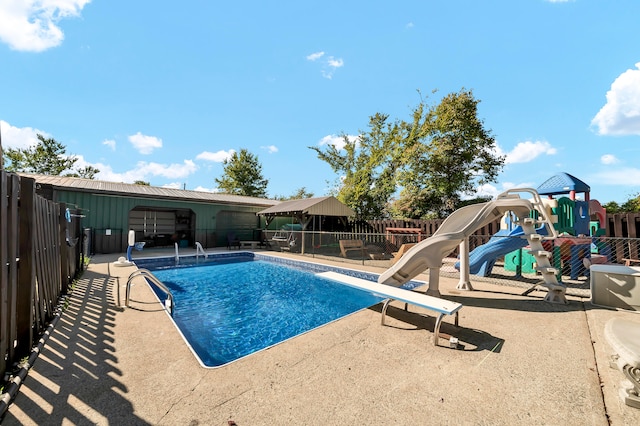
(562, 183)
(320, 206)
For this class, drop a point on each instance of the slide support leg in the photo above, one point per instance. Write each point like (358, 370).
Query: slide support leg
(434, 282)
(465, 282)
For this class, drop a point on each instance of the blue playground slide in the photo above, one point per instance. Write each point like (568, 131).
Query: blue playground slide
(482, 259)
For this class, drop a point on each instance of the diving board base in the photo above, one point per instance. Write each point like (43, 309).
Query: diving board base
(390, 293)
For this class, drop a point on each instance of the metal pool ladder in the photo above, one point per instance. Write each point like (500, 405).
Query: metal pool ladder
(168, 303)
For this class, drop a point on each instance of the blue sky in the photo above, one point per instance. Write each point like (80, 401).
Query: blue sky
(164, 91)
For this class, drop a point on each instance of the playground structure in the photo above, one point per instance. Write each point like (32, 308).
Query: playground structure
(575, 221)
(456, 229)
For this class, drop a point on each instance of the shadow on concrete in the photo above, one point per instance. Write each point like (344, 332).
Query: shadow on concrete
(505, 300)
(76, 379)
(470, 339)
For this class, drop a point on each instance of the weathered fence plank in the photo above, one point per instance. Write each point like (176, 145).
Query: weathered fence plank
(36, 264)
(26, 296)
(4, 271)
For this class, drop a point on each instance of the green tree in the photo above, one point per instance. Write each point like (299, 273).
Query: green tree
(48, 157)
(452, 155)
(428, 163)
(366, 166)
(87, 172)
(142, 182)
(632, 205)
(243, 175)
(612, 207)
(299, 194)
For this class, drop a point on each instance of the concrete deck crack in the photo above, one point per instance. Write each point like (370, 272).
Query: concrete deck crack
(595, 362)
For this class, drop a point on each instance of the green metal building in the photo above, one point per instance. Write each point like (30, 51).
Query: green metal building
(159, 216)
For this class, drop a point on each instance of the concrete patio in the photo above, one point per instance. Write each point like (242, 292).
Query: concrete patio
(523, 361)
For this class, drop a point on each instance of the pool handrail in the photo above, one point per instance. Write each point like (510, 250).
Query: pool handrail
(148, 275)
(199, 250)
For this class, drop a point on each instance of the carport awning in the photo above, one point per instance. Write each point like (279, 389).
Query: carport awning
(320, 206)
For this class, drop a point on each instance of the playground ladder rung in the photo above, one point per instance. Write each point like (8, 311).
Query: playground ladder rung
(529, 221)
(534, 237)
(547, 270)
(541, 253)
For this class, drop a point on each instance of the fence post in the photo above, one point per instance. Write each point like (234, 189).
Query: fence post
(26, 273)
(64, 249)
(4, 272)
(13, 187)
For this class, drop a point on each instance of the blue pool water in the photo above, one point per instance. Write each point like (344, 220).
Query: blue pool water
(234, 306)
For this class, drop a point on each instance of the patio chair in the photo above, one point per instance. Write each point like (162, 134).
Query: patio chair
(232, 240)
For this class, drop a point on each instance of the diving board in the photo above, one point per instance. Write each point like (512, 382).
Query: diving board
(441, 306)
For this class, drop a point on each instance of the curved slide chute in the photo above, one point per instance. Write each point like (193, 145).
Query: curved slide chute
(482, 258)
(428, 254)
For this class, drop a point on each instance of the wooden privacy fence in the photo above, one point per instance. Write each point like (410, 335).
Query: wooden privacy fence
(624, 225)
(40, 254)
(427, 228)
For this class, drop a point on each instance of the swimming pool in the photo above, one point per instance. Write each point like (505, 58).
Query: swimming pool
(233, 305)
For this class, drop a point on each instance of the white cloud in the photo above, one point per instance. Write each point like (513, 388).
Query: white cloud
(337, 141)
(329, 65)
(173, 185)
(217, 157)
(19, 137)
(315, 56)
(618, 176)
(484, 190)
(609, 159)
(271, 149)
(110, 143)
(492, 190)
(142, 171)
(145, 144)
(525, 152)
(335, 63)
(621, 114)
(171, 171)
(203, 189)
(32, 25)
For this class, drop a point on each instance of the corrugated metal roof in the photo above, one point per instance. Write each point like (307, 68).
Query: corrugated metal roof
(129, 189)
(320, 206)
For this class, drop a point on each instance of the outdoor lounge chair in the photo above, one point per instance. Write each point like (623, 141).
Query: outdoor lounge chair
(232, 240)
(401, 251)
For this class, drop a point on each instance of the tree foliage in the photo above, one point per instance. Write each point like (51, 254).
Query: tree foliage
(426, 164)
(452, 157)
(243, 175)
(48, 157)
(366, 166)
(632, 205)
(298, 194)
(87, 172)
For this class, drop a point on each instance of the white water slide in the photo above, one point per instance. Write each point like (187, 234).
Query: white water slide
(429, 253)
